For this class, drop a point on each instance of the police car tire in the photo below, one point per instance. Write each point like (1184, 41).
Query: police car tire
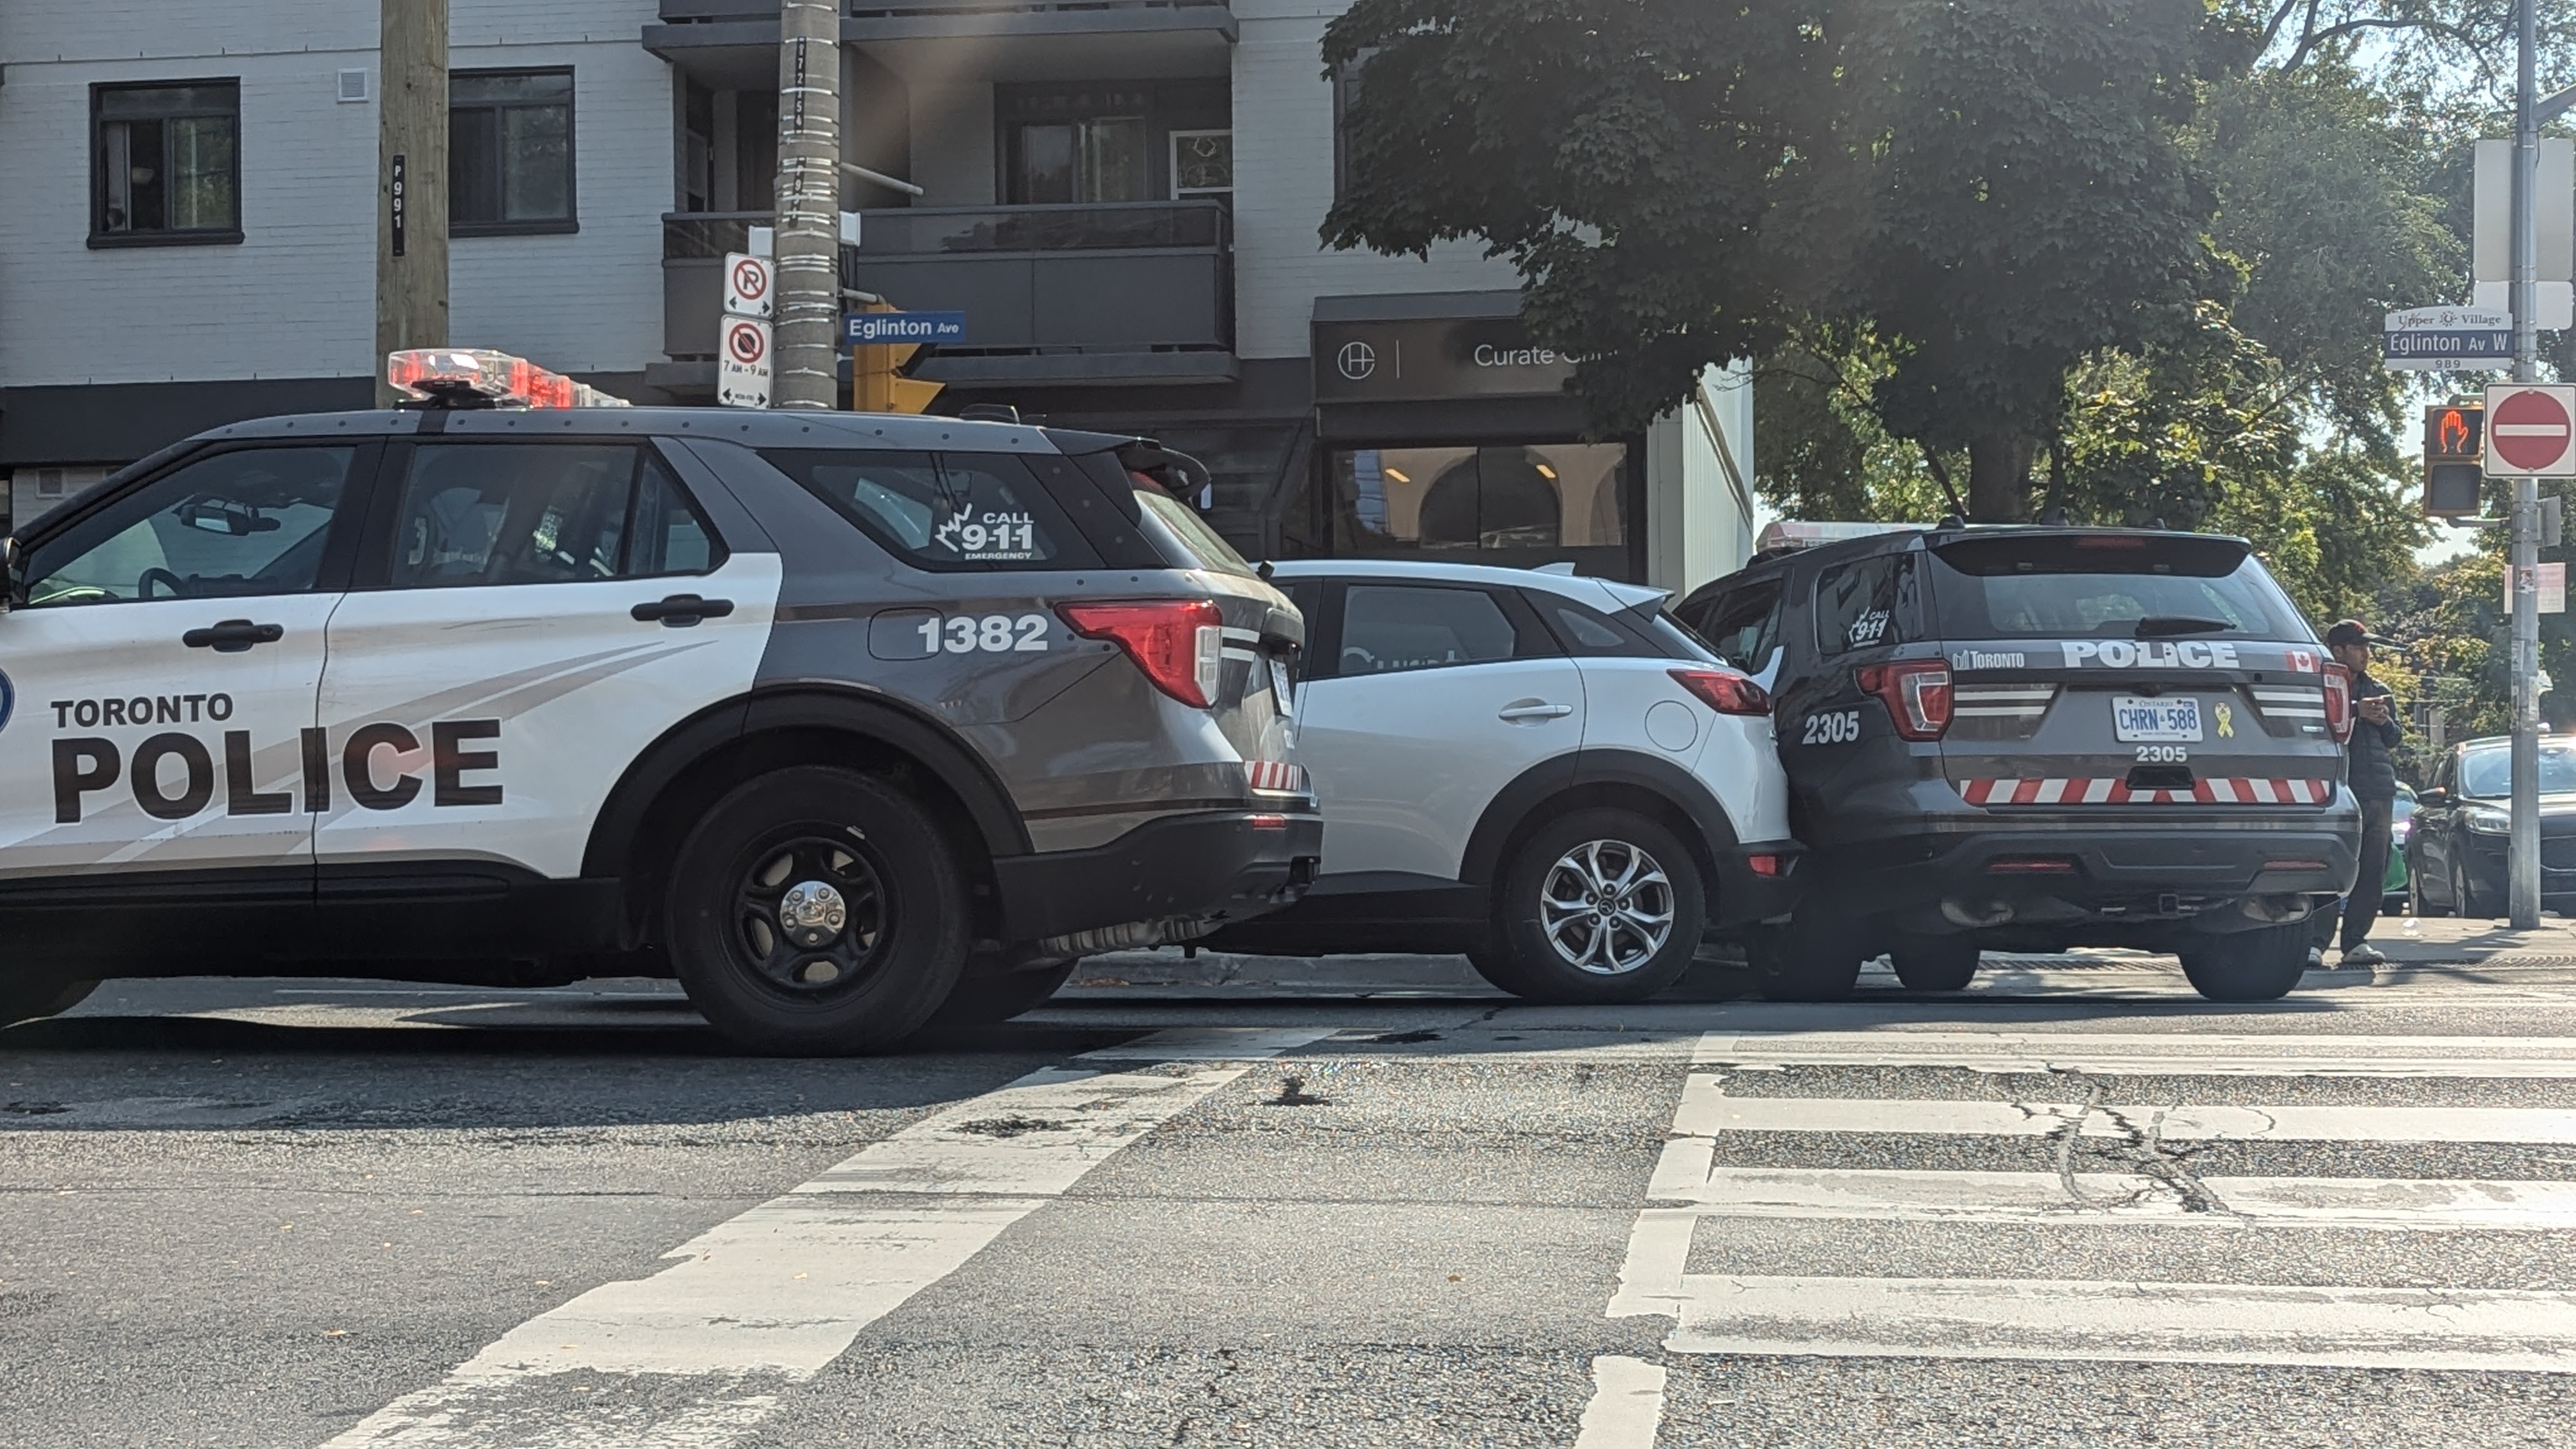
(1523, 963)
(1816, 957)
(1934, 963)
(926, 896)
(40, 997)
(983, 1000)
(2260, 965)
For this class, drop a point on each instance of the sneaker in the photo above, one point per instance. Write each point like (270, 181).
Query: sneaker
(2364, 954)
(2316, 958)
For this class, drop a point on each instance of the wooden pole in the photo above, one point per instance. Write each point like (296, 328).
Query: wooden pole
(411, 183)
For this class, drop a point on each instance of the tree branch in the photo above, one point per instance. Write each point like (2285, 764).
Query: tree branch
(2309, 42)
(2280, 17)
(1941, 476)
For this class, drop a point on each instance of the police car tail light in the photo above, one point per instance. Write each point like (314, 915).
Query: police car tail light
(1725, 693)
(480, 377)
(1916, 693)
(1179, 643)
(2338, 682)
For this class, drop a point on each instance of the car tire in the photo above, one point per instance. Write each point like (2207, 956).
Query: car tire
(38, 997)
(817, 912)
(2259, 965)
(982, 1000)
(1934, 963)
(2466, 900)
(1816, 957)
(1553, 942)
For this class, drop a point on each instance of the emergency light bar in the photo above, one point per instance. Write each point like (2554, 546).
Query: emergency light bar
(1789, 534)
(452, 377)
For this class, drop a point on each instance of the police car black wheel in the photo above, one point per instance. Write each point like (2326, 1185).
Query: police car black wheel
(37, 997)
(816, 911)
(1598, 908)
(2260, 965)
(1934, 963)
(1816, 957)
(983, 1000)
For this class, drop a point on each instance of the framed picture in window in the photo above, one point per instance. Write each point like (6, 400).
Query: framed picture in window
(1202, 163)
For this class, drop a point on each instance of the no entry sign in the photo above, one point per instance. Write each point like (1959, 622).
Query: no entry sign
(2531, 431)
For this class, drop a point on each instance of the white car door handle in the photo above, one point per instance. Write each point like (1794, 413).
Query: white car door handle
(1519, 712)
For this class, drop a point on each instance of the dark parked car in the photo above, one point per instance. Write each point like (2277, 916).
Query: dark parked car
(2456, 848)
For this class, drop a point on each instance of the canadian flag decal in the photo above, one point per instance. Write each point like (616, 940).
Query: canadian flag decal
(2303, 661)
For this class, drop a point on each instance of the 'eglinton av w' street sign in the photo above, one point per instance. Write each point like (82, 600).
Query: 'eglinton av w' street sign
(2447, 339)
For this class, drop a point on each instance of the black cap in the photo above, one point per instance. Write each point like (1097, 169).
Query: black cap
(2350, 631)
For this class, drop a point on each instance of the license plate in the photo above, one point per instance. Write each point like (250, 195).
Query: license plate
(1280, 687)
(2138, 720)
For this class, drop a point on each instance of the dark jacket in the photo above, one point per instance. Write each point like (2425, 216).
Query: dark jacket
(2368, 764)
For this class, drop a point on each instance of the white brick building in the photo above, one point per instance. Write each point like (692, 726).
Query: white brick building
(1123, 198)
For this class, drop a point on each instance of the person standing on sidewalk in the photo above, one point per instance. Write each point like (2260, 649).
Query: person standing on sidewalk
(2371, 772)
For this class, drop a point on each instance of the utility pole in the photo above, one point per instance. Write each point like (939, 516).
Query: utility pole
(411, 182)
(808, 242)
(2522, 857)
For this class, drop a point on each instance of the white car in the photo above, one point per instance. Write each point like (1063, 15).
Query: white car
(1541, 771)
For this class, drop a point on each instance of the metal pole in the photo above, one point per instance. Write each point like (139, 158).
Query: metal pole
(2523, 853)
(411, 181)
(808, 242)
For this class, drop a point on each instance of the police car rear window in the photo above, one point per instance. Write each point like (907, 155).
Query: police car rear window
(946, 511)
(2106, 586)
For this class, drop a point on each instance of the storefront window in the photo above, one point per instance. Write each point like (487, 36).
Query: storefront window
(1509, 505)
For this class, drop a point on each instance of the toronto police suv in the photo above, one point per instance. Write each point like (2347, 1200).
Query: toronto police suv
(838, 718)
(2028, 738)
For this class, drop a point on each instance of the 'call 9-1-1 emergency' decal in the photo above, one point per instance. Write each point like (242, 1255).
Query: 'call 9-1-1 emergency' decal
(175, 774)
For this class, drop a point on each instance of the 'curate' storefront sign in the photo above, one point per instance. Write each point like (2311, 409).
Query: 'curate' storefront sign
(1433, 358)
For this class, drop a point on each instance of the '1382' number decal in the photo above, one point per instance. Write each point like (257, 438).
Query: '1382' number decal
(987, 633)
(1833, 727)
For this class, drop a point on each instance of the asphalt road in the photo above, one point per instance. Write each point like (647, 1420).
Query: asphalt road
(1285, 1204)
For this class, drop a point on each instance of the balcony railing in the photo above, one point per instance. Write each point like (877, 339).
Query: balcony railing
(1122, 276)
(685, 12)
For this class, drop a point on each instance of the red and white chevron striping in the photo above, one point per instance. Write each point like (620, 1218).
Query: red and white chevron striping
(1276, 775)
(2108, 791)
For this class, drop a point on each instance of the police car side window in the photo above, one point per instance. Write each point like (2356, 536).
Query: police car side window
(965, 511)
(247, 522)
(668, 536)
(1857, 605)
(487, 514)
(1390, 628)
(1742, 626)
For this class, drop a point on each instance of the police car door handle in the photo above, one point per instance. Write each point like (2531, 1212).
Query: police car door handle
(232, 636)
(1534, 710)
(679, 611)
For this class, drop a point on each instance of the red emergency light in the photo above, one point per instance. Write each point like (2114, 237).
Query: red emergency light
(459, 377)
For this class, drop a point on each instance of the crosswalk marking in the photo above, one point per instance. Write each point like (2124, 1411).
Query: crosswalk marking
(2428, 1328)
(770, 1298)
(2152, 1054)
(2142, 1184)
(1902, 1195)
(1705, 1111)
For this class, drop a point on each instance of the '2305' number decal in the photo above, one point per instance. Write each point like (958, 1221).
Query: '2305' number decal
(987, 633)
(1833, 727)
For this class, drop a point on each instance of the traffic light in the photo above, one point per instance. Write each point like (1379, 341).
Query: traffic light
(877, 383)
(2454, 458)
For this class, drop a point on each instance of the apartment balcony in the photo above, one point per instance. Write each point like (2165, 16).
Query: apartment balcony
(1134, 294)
(734, 43)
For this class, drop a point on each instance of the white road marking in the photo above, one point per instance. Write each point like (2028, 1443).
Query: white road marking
(1627, 1404)
(2430, 1328)
(1706, 1113)
(2154, 1054)
(2414, 1205)
(1219, 1043)
(768, 1299)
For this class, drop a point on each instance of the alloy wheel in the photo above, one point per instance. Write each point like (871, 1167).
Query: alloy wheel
(1606, 907)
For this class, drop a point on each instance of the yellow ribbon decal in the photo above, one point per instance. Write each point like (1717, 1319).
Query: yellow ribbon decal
(2226, 723)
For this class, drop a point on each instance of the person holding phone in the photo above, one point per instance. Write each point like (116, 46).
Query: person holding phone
(2370, 770)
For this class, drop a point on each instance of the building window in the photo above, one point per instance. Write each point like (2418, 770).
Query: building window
(1113, 141)
(1346, 94)
(1514, 504)
(168, 163)
(1202, 164)
(509, 152)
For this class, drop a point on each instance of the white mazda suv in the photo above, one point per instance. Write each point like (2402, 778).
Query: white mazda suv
(1544, 772)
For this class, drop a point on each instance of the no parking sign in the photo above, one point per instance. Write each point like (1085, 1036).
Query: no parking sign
(742, 363)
